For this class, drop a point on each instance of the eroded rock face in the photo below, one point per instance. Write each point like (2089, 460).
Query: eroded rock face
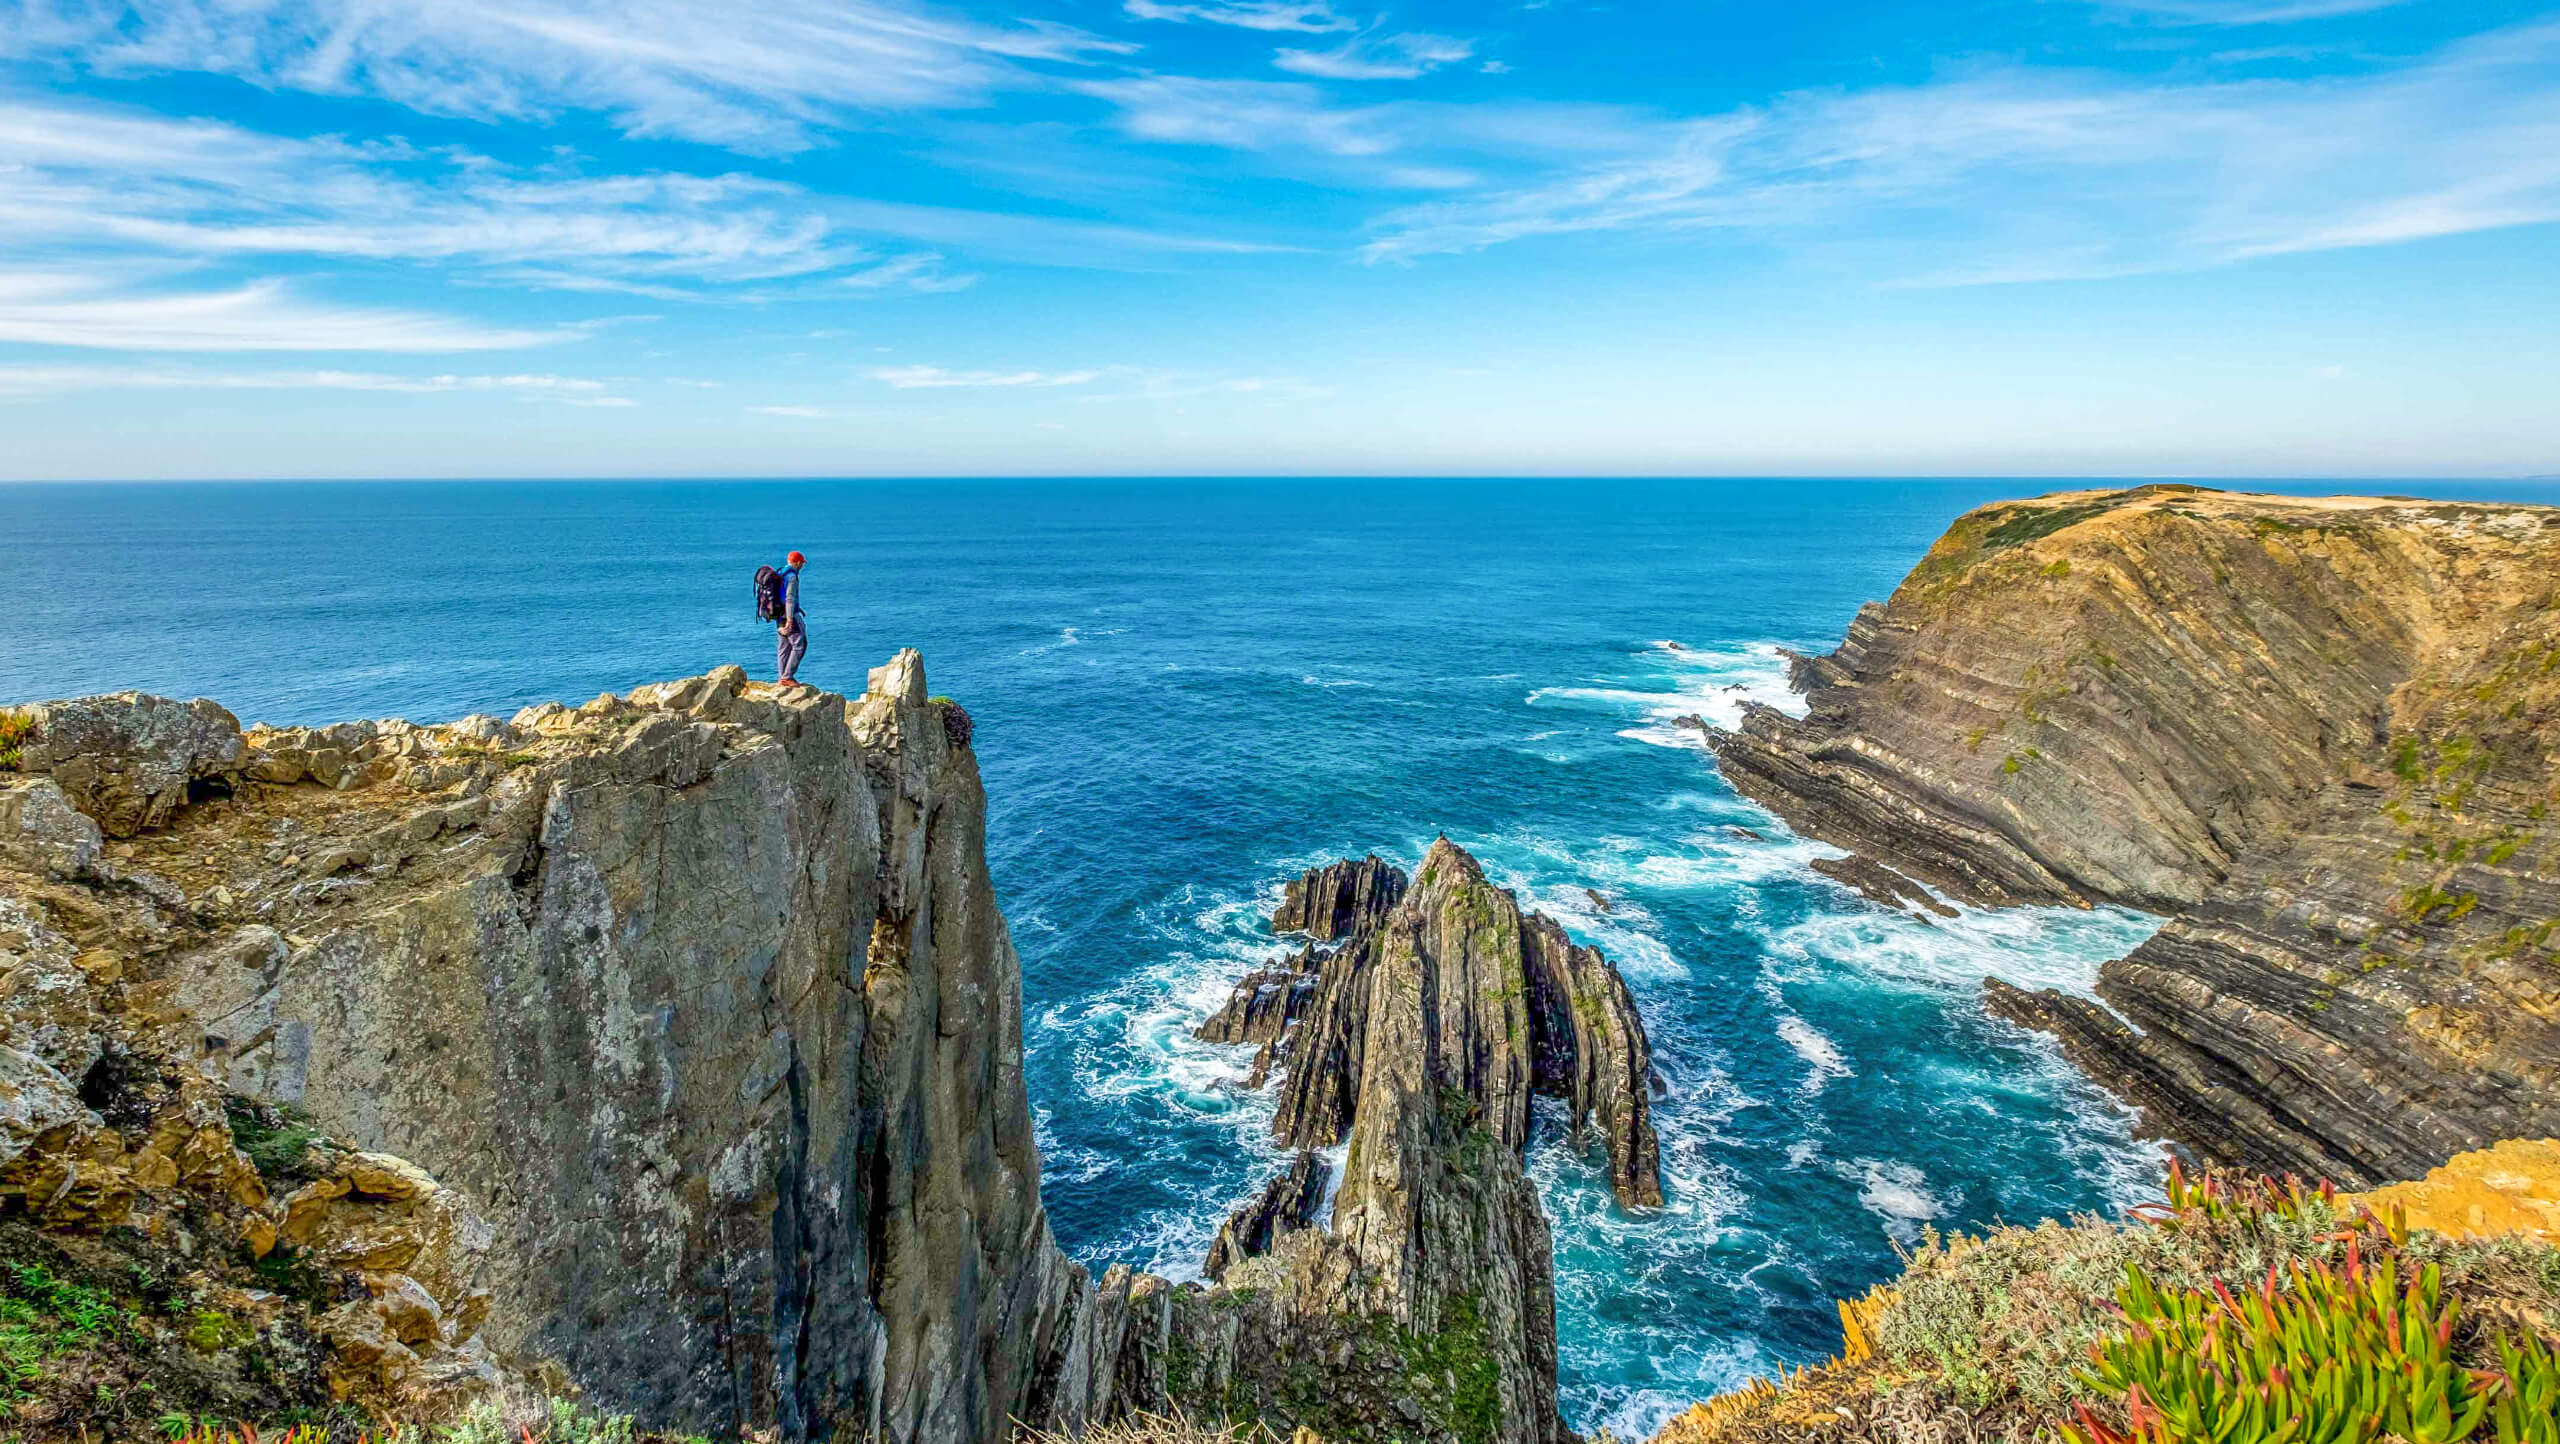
(2320, 732)
(698, 996)
(1340, 899)
(1287, 1203)
(128, 760)
(673, 1042)
(1518, 1010)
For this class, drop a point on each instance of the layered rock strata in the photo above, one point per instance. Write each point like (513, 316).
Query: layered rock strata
(670, 1046)
(1517, 1010)
(2323, 734)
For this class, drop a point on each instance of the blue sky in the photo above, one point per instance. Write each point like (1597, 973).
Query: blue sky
(844, 237)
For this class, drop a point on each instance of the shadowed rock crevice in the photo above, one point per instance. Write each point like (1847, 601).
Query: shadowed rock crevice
(2323, 734)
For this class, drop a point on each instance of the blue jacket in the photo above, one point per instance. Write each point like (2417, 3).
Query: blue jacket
(791, 594)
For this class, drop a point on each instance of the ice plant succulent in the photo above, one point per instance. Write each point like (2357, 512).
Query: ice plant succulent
(2343, 1354)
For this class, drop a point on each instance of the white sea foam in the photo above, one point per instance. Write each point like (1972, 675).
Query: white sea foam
(2031, 947)
(1821, 1055)
(1898, 1193)
(1712, 684)
(1335, 1159)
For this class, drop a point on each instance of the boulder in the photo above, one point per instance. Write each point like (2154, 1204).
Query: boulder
(129, 760)
(41, 831)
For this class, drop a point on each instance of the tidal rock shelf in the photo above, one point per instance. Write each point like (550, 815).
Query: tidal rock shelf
(2321, 734)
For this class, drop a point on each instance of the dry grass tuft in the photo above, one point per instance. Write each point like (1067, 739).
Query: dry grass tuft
(1174, 1428)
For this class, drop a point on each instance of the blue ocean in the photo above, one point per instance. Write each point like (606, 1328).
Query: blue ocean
(1186, 692)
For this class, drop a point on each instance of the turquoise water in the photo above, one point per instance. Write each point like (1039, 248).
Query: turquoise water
(1184, 693)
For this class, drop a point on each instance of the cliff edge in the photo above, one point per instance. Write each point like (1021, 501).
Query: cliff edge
(666, 1050)
(2322, 733)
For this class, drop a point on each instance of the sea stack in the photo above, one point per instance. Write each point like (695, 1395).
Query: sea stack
(1516, 1008)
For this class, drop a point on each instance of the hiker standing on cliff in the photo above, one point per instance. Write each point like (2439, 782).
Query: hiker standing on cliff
(778, 601)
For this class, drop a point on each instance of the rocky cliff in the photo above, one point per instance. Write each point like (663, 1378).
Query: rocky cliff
(700, 997)
(2322, 734)
(668, 1049)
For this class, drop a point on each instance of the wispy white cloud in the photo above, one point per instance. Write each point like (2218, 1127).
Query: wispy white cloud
(917, 271)
(1263, 115)
(914, 378)
(102, 312)
(1146, 385)
(2016, 173)
(94, 176)
(1276, 15)
(87, 178)
(1378, 57)
(2245, 12)
(41, 379)
(768, 77)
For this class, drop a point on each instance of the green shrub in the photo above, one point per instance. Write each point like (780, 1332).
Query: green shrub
(15, 728)
(275, 1137)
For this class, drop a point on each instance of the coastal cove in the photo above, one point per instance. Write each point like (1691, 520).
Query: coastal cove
(1186, 693)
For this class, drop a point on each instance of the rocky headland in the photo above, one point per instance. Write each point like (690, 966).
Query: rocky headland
(2321, 734)
(666, 1052)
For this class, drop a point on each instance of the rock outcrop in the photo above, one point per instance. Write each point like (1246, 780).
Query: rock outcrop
(1340, 898)
(1289, 1202)
(1516, 1009)
(670, 1047)
(131, 760)
(2323, 734)
(700, 996)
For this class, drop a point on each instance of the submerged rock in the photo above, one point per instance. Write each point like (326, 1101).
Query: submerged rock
(1879, 884)
(2319, 732)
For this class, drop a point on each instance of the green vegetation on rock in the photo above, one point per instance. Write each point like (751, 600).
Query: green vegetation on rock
(15, 728)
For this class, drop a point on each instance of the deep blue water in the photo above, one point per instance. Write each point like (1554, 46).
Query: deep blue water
(1186, 692)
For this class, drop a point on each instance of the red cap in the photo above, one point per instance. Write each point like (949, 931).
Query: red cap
(796, 559)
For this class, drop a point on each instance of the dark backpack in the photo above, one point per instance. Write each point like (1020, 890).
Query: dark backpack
(768, 594)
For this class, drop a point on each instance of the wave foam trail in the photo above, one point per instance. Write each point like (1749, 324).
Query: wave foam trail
(2030, 947)
(1820, 1054)
(1899, 1194)
(1711, 684)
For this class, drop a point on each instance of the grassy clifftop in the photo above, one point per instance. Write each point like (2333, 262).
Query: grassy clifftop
(2236, 1310)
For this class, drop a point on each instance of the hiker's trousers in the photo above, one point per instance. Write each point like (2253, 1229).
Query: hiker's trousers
(790, 644)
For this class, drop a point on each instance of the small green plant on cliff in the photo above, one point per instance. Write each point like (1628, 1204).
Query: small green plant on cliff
(276, 1137)
(15, 728)
(43, 1317)
(1459, 1360)
(957, 728)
